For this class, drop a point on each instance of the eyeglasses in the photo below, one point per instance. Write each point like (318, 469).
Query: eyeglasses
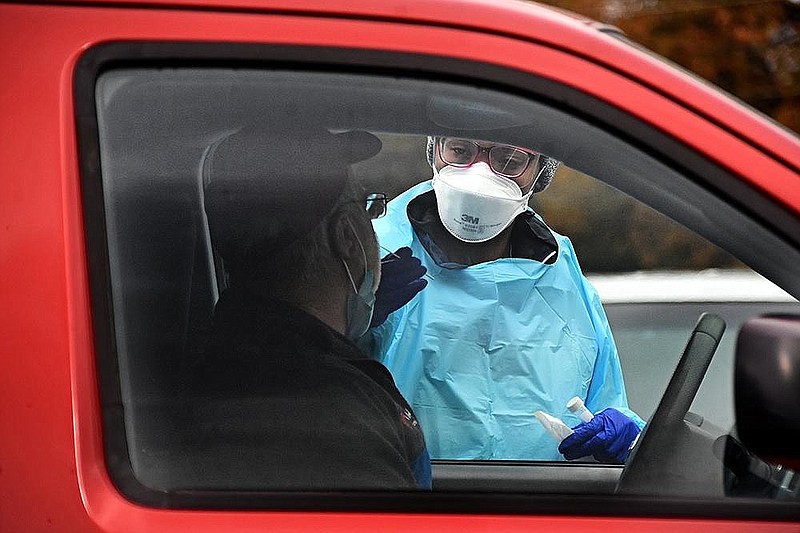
(376, 205)
(504, 160)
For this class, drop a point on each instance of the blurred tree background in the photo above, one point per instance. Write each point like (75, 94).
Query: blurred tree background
(750, 48)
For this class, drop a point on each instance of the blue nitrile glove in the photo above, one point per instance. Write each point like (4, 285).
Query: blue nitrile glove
(608, 437)
(401, 280)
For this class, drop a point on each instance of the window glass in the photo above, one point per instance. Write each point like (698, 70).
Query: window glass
(655, 279)
(242, 263)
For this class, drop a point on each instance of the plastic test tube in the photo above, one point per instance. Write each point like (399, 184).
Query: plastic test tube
(577, 408)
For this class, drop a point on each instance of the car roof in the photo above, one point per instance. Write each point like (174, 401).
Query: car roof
(547, 26)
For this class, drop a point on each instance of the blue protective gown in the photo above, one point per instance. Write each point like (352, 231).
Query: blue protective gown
(482, 348)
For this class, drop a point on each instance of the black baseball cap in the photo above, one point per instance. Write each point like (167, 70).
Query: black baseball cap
(266, 187)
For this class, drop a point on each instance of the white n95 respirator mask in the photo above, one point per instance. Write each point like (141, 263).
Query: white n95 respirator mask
(475, 204)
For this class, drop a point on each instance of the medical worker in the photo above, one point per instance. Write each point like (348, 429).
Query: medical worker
(507, 324)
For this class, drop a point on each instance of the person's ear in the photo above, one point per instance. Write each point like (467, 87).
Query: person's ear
(343, 238)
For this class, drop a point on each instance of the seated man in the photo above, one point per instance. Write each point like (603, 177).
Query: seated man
(282, 399)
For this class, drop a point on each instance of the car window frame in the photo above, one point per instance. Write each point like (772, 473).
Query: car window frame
(766, 213)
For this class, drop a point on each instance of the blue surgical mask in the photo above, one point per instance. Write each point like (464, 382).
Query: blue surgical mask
(361, 303)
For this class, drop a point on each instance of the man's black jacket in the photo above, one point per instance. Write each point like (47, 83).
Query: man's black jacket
(280, 401)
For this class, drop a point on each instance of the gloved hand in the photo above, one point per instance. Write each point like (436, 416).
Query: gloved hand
(401, 280)
(608, 437)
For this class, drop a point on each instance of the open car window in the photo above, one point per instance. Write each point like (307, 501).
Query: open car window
(161, 276)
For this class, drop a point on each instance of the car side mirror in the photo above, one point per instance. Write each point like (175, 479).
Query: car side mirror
(767, 388)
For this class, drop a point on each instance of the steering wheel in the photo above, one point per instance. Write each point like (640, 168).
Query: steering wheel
(658, 463)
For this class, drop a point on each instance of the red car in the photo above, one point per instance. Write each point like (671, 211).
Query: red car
(109, 278)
